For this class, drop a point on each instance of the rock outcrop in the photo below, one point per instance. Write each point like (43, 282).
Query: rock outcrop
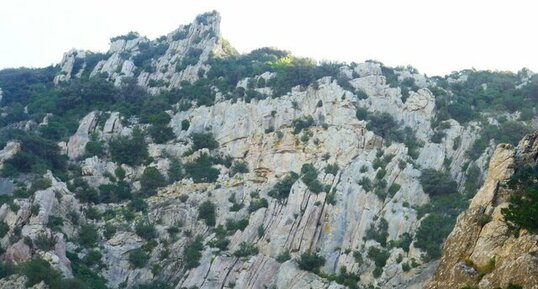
(481, 251)
(158, 64)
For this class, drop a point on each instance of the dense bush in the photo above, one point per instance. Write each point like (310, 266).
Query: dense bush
(87, 236)
(203, 140)
(282, 188)
(36, 156)
(146, 230)
(239, 167)
(206, 212)
(175, 170)
(138, 258)
(378, 232)
(112, 193)
(151, 180)
(44, 242)
(332, 169)
(129, 150)
(431, 234)
(310, 262)
(4, 229)
(384, 125)
(379, 256)
(201, 170)
(437, 183)
(302, 123)
(522, 212)
(192, 253)
(37, 270)
(245, 249)
(310, 178)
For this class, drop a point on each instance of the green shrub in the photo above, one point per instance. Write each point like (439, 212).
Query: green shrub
(233, 226)
(206, 212)
(393, 189)
(438, 136)
(44, 242)
(239, 167)
(203, 140)
(431, 233)
(93, 258)
(310, 262)
(94, 148)
(137, 205)
(129, 150)
(87, 235)
(384, 125)
(282, 188)
(378, 232)
(522, 212)
(361, 113)
(258, 204)
(201, 170)
(112, 193)
(332, 169)
(192, 253)
(379, 256)
(366, 184)
(151, 180)
(300, 124)
(310, 178)
(283, 257)
(161, 133)
(138, 258)
(37, 270)
(4, 229)
(145, 230)
(437, 183)
(185, 124)
(175, 170)
(245, 249)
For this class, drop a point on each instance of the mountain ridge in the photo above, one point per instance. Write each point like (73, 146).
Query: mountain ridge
(242, 171)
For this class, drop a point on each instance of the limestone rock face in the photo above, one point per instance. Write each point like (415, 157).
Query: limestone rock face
(490, 256)
(76, 147)
(179, 56)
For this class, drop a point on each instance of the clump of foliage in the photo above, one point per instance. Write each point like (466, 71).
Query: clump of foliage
(310, 262)
(203, 140)
(332, 169)
(310, 178)
(192, 253)
(138, 258)
(522, 212)
(246, 249)
(379, 256)
(146, 230)
(282, 188)
(239, 167)
(129, 150)
(151, 180)
(201, 170)
(437, 183)
(206, 212)
(302, 123)
(378, 232)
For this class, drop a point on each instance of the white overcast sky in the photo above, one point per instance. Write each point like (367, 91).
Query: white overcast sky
(434, 36)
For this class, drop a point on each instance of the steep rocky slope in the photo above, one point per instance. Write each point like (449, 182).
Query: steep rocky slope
(482, 250)
(259, 161)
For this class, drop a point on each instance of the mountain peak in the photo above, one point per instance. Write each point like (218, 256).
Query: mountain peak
(157, 64)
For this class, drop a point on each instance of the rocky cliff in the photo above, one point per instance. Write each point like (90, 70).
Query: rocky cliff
(482, 251)
(248, 171)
